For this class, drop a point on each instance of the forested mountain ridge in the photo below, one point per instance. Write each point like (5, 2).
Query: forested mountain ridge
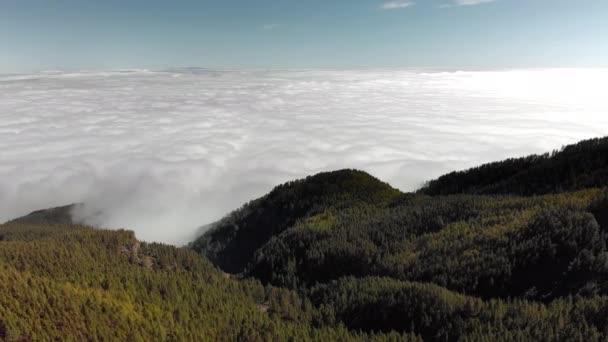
(369, 260)
(574, 167)
(493, 247)
(58, 215)
(232, 242)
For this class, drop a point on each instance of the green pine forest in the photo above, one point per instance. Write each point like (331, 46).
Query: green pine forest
(509, 251)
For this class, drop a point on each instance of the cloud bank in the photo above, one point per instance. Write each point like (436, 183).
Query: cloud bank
(163, 153)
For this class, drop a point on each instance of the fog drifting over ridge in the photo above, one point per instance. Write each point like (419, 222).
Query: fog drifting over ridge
(164, 153)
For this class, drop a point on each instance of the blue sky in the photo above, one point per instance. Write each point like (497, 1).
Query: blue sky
(109, 34)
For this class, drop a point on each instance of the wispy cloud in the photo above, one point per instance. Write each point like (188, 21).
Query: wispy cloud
(396, 5)
(466, 3)
(268, 27)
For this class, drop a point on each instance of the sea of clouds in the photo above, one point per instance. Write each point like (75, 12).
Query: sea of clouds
(166, 152)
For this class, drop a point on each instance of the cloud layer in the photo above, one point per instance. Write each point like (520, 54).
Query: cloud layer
(163, 153)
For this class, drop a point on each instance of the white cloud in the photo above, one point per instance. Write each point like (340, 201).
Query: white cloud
(396, 5)
(166, 152)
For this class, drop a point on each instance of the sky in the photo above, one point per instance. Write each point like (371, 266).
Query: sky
(334, 34)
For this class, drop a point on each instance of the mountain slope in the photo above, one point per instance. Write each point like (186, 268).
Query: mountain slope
(443, 267)
(59, 215)
(232, 242)
(436, 314)
(75, 283)
(539, 247)
(575, 167)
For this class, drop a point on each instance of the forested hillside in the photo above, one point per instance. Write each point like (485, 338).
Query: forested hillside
(442, 267)
(579, 166)
(76, 283)
(338, 256)
(236, 238)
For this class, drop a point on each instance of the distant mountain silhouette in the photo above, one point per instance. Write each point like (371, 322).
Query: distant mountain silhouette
(53, 216)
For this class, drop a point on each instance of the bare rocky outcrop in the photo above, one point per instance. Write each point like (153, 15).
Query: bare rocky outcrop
(133, 251)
